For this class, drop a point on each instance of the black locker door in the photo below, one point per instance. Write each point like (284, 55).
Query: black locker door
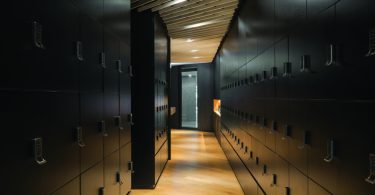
(300, 137)
(91, 114)
(298, 182)
(288, 14)
(112, 173)
(59, 62)
(51, 117)
(324, 166)
(281, 177)
(355, 146)
(91, 69)
(93, 8)
(72, 188)
(125, 172)
(116, 17)
(315, 7)
(111, 93)
(315, 189)
(125, 95)
(92, 180)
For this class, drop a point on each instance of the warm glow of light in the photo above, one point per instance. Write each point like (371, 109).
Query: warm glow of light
(196, 57)
(189, 40)
(201, 24)
(194, 50)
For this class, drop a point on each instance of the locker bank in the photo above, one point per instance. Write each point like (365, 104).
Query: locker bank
(236, 97)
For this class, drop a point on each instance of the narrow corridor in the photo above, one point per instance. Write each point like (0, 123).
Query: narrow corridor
(198, 167)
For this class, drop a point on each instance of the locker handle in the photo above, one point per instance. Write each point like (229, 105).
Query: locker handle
(264, 76)
(330, 151)
(274, 73)
(118, 178)
(371, 51)
(101, 191)
(79, 50)
(264, 170)
(118, 122)
(119, 66)
(130, 119)
(130, 71)
(38, 35)
(38, 151)
(273, 128)
(305, 140)
(131, 166)
(371, 178)
(287, 190)
(305, 63)
(102, 60)
(274, 180)
(287, 69)
(287, 132)
(79, 137)
(102, 128)
(332, 56)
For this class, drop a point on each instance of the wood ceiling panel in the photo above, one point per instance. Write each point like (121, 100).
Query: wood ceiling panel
(196, 27)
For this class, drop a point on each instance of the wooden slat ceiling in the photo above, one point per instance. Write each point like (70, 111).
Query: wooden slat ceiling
(196, 27)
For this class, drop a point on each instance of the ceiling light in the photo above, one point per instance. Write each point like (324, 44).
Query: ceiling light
(201, 24)
(194, 50)
(196, 57)
(189, 40)
(190, 75)
(177, 2)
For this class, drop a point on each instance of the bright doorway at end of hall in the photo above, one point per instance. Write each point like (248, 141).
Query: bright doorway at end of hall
(189, 99)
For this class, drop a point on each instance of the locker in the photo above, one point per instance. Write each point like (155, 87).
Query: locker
(265, 179)
(323, 160)
(111, 173)
(315, 7)
(298, 182)
(125, 172)
(281, 177)
(58, 63)
(53, 117)
(111, 131)
(315, 189)
(284, 128)
(92, 180)
(288, 14)
(116, 18)
(272, 126)
(112, 55)
(91, 112)
(125, 93)
(299, 142)
(354, 151)
(91, 69)
(71, 188)
(93, 8)
(281, 63)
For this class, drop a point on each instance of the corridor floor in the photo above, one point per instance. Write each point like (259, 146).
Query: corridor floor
(198, 167)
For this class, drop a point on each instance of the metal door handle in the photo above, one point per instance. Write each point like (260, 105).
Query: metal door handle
(264, 170)
(305, 63)
(287, 69)
(130, 71)
(102, 60)
(332, 55)
(119, 66)
(79, 137)
(330, 151)
(38, 151)
(118, 178)
(130, 119)
(371, 178)
(102, 128)
(274, 180)
(287, 190)
(287, 132)
(101, 191)
(305, 140)
(118, 122)
(38, 35)
(371, 50)
(131, 166)
(273, 73)
(79, 50)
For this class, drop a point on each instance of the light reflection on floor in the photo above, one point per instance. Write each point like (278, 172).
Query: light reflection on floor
(198, 167)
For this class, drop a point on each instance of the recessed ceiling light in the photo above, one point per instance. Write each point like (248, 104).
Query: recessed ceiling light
(201, 24)
(196, 57)
(189, 40)
(190, 75)
(194, 50)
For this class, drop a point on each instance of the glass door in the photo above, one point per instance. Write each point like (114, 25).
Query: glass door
(189, 99)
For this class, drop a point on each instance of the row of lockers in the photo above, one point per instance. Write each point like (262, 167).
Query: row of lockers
(323, 147)
(60, 43)
(324, 56)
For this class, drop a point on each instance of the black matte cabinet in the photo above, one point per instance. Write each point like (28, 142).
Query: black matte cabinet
(150, 66)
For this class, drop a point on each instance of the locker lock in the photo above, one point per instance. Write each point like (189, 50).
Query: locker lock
(371, 178)
(38, 35)
(371, 51)
(79, 137)
(330, 151)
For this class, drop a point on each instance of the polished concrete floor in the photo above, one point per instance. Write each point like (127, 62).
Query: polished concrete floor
(198, 167)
